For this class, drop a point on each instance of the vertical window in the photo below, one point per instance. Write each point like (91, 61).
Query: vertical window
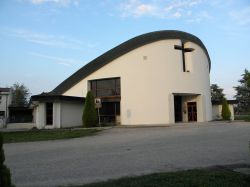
(49, 113)
(2, 114)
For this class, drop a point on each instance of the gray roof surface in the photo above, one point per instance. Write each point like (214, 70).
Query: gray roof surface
(52, 98)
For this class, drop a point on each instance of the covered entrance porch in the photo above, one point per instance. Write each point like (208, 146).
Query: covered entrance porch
(187, 107)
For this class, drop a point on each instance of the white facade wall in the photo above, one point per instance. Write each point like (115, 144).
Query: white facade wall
(56, 115)
(40, 116)
(149, 76)
(231, 108)
(71, 114)
(216, 111)
(201, 110)
(65, 114)
(5, 102)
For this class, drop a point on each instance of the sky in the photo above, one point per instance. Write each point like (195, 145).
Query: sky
(43, 42)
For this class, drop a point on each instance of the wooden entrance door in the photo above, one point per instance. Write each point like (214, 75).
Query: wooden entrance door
(192, 111)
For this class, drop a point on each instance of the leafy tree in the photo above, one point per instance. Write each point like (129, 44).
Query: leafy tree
(243, 92)
(20, 95)
(225, 112)
(216, 93)
(5, 176)
(89, 116)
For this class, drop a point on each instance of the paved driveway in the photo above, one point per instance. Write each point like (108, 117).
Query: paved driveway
(121, 152)
(18, 127)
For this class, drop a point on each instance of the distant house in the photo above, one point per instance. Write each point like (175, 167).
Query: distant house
(21, 114)
(5, 101)
(217, 108)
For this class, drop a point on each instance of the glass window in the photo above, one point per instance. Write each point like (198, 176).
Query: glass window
(2, 113)
(49, 113)
(105, 87)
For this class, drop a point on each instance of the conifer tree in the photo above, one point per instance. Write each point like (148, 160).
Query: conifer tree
(225, 113)
(5, 176)
(216, 93)
(243, 93)
(89, 116)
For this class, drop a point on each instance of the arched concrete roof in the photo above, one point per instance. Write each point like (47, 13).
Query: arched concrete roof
(124, 48)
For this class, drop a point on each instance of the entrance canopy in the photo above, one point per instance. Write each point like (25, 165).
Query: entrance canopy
(185, 107)
(185, 94)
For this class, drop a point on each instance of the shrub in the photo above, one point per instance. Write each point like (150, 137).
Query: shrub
(5, 176)
(89, 116)
(225, 113)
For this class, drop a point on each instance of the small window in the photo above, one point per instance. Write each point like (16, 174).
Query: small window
(2, 114)
(49, 113)
(0, 99)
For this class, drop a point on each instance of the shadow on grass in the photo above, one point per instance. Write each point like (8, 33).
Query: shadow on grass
(190, 178)
(42, 135)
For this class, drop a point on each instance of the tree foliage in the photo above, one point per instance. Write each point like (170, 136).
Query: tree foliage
(20, 94)
(243, 92)
(225, 112)
(5, 176)
(89, 117)
(216, 93)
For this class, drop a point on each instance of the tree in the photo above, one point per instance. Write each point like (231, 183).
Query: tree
(225, 112)
(20, 95)
(243, 92)
(216, 93)
(5, 176)
(89, 116)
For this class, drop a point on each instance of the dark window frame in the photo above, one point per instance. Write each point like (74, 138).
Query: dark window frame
(2, 113)
(49, 113)
(97, 89)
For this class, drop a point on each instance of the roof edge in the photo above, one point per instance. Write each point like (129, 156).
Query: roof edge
(51, 98)
(124, 48)
(230, 101)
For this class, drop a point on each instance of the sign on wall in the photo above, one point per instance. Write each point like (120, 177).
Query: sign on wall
(98, 103)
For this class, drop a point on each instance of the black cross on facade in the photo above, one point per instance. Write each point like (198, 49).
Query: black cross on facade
(184, 50)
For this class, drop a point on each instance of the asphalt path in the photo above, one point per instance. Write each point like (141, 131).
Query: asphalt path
(119, 152)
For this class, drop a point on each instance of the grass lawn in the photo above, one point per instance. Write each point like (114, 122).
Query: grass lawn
(243, 117)
(190, 178)
(41, 135)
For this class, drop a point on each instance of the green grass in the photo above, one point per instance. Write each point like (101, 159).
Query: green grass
(190, 178)
(242, 117)
(41, 135)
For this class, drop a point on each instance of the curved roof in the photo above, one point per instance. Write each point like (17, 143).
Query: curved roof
(124, 48)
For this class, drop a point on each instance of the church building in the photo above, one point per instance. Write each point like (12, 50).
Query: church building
(157, 78)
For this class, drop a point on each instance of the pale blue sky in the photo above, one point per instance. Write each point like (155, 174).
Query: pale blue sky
(45, 41)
